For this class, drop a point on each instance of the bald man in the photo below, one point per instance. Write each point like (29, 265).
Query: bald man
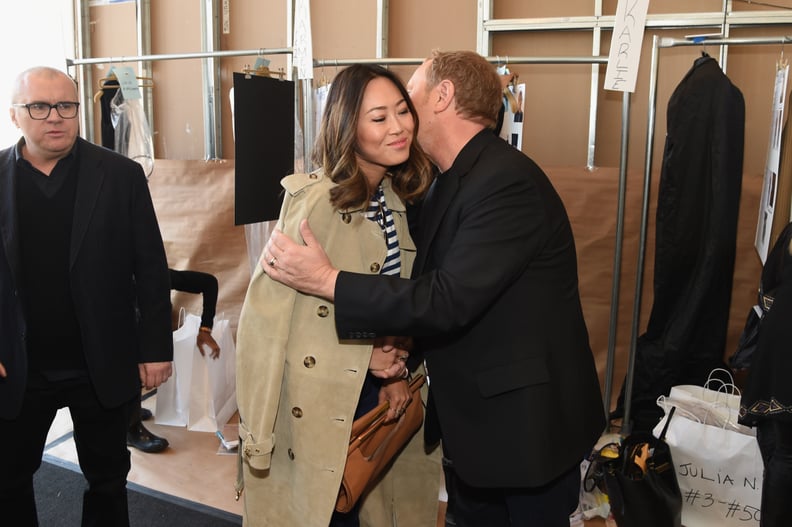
(84, 299)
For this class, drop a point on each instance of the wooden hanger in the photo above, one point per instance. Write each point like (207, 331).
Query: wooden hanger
(111, 82)
(323, 81)
(507, 81)
(262, 71)
(514, 105)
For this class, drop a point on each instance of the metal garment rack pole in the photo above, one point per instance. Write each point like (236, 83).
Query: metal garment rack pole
(622, 174)
(178, 56)
(657, 43)
(183, 56)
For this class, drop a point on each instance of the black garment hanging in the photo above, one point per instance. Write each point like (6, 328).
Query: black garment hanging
(696, 237)
(264, 145)
(109, 89)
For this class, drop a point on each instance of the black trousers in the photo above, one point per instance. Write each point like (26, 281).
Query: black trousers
(546, 506)
(100, 438)
(775, 444)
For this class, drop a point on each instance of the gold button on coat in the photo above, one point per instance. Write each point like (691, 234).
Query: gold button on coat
(346, 217)
(297, 412)
(375, 268)
(323, 311)
(309, 362)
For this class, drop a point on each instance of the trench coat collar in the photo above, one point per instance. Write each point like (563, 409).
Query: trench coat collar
(394, 202)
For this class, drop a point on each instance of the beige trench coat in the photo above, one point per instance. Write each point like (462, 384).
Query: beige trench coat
(298, 385)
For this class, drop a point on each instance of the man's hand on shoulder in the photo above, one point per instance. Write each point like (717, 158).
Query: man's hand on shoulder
(305, 268)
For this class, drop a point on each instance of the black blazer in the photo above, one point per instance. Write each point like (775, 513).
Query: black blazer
(118, 272)
(495, 307)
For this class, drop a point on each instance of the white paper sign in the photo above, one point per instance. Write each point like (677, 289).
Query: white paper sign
(127, 81)
(625, 49)
(302, 49)
(770, 185)
(226, 17)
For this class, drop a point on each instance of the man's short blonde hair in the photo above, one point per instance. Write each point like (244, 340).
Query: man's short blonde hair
(478, 92)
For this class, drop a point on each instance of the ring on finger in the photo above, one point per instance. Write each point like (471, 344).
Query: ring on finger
(272, 261)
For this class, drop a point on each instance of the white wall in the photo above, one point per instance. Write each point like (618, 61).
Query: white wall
(32, 33)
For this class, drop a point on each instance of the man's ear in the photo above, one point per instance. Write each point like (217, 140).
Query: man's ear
(13, 117)
(445, 95)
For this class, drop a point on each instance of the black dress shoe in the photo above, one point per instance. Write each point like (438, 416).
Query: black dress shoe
(138, 436)
(145, 414)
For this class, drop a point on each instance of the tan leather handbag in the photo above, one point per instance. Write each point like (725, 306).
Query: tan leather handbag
(373, 444)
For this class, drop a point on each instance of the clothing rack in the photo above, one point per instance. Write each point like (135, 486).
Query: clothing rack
(178, 56)
(657, 43)
(505, 60)
(208, 86)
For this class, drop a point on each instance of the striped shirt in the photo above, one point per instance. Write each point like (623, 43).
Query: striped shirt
(379, 212)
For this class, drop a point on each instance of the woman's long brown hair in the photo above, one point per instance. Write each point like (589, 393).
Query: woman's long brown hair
(336, 142)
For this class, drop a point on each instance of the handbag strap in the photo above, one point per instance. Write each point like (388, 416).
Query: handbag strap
(417, 381)
(668, 421)
(376, 416)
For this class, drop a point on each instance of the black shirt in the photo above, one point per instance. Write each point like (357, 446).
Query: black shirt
(45, 208)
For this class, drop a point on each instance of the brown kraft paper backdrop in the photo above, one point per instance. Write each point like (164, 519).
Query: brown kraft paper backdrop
(194, 201)
(591, 201)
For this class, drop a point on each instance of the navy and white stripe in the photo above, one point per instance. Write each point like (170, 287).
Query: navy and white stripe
(379, 212)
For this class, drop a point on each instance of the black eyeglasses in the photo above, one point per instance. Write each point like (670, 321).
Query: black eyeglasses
(41, 110)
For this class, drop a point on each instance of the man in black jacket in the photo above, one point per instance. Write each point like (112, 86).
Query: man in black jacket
(81, 256)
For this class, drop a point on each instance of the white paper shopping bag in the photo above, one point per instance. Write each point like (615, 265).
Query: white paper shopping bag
(173, 396)
(718, 462)
(213, 393)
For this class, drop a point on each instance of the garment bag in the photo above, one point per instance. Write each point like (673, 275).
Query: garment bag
(696, 237)
(264, 145)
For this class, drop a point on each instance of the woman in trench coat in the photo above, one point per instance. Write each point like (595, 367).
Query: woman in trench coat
(299, 387)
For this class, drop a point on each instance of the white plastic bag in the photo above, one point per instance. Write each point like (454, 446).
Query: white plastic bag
(133, 137)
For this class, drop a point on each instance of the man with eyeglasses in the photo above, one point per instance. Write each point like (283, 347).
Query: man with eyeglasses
(84, 299)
